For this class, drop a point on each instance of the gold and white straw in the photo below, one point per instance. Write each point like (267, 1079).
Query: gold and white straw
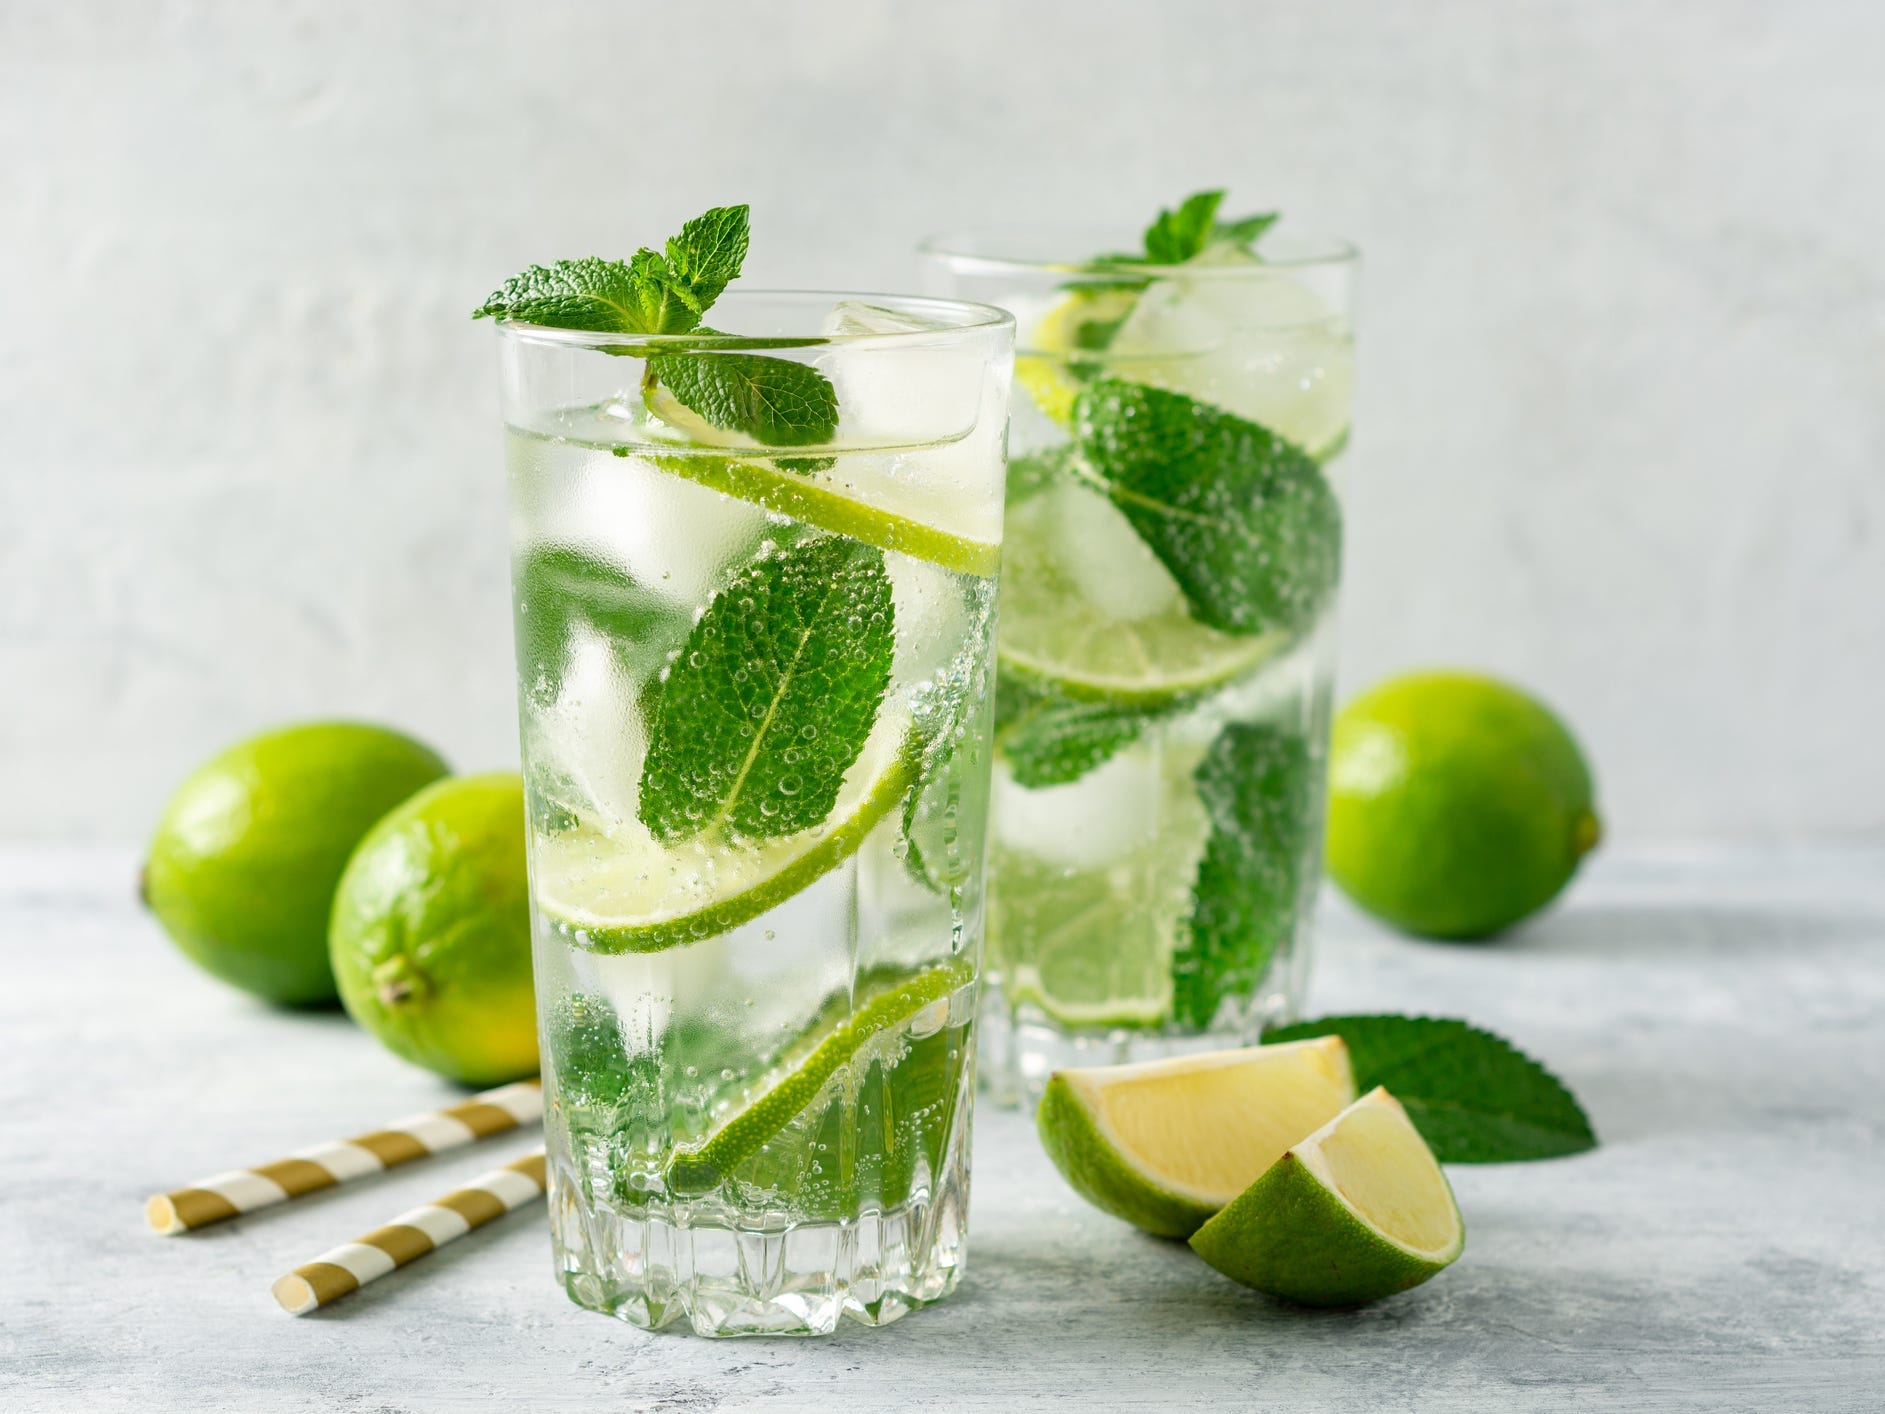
(225, 1195)
(410, 1236)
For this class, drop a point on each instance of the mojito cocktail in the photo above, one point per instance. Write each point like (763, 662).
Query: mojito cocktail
(1172, 553)
(755, 646)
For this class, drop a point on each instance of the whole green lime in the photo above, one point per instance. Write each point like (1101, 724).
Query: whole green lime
(1457, 804)
(242, 869)
(431, 932)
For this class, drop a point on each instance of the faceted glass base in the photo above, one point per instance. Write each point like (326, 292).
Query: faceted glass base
(725, 1280)
(1021, 1046)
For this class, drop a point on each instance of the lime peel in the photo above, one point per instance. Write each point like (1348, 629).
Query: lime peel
(1356, 1211)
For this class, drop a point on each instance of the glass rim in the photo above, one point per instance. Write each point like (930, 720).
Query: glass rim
(995, 250)
(974, 318)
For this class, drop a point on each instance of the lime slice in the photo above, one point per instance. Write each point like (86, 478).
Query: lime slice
(1168, 1143)
(1086, 604)
(798, 1079)
(1088, 938)
(874, 498)
(879, 510)
(1357, 1211)
(1071, 326)
(624, 891)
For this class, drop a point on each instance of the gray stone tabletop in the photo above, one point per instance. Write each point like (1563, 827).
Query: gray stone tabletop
(1721, 1014)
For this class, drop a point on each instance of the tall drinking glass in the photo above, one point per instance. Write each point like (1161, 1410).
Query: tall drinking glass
(754, 683)
(1168, 619)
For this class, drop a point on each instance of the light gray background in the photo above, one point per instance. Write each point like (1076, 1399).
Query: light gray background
(1621, 431)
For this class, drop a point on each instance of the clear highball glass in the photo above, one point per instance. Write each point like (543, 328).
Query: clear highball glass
(1170, 576)
(754, 685)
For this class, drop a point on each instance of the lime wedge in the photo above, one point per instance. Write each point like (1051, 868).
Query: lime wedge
(1086, 605)
(625, 892)
(1166, 1144)
(797, 1080)
(1356, 1211)
(1089, 940)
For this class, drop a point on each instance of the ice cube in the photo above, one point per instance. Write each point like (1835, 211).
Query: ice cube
(1104, 559)
(668, 534)
(586, 747)
(853, 316)
(1111, 811)
(932, 621)
(897, 392)
(1261, 346)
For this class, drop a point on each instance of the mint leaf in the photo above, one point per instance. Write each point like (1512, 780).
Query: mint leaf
(1177, 235)
(660, 303)
(1244, 232)
(1475, 1097)
(706, 257)
(771, 698)
(773, 400)
(1242, 518)
(1049, 739)
(1255, 786)
(601, 295)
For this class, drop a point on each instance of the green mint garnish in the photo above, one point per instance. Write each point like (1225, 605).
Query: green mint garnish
(1475, 1098)
(1243, 519)
(1255, 786)
(772, 697)
(651, 293)
(1186, 232)
(776, 401)
(1178, 235)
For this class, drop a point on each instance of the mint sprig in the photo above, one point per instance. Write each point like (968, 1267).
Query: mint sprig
(1255, 786)
(1243, 519)
(771, 698)
(1186, 231)
(1475, 1097)
(667, 292)
(1178, 235)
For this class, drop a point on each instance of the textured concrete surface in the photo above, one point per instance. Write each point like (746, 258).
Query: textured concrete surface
(1623, 317)
(1718, 1013)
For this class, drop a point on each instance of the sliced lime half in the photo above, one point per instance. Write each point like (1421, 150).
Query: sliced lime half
(626, 892)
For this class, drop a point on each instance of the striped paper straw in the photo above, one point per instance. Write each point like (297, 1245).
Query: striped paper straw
(224, 1195)
(410, 1236)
